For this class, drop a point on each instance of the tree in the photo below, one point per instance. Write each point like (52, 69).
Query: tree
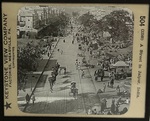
(27, 61)
(119, 24)
(86, 20)
(57, 25)
(27, 58)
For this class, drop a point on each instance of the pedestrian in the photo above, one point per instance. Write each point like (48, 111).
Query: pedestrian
(127, 101)
(53, 73)
(64, 40)
(98, 63)
(118, 89)
(113, 100)
(96, 74)
(112, 76)
(105, 103)
(108, 84)
(112, 83)
(27, 98)
(113, 107)
(73, 85)
(76, 63)
(61, 52)
(72, 41)
(79, 65)
(117, 109)
(83, 60)
(76, 93)
(48, 54)
(65, 70)
(89, 112)
(51, 81)
(33, 98)
(104, 87)
(102, 107)
(94, 111)
(83, 74)
(102, 74)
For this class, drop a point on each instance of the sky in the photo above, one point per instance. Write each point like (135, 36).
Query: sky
(97, 10)
(83, 9)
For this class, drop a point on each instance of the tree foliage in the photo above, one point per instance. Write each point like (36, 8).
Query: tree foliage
(27, 57)
(118, 23)
(86, 19)
(56, 25)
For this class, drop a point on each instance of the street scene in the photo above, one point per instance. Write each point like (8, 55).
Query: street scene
(74, 60)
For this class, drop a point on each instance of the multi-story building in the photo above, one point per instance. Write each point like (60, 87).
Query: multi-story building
(27, 22)
(32, 19)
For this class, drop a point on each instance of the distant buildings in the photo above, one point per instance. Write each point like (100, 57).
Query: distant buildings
(31, 19)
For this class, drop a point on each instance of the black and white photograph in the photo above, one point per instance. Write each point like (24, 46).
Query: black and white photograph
(74, 60)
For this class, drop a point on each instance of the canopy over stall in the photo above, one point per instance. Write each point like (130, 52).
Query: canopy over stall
(120, 64)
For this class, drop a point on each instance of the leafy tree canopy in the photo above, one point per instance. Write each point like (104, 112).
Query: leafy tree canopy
(118, 23)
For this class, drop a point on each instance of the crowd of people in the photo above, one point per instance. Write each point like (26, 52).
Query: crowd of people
(105, 60)
(98, 50)
(113, 109)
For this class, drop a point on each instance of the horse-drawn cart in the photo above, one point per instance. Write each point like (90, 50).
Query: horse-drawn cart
(99, 73)
(73, 90)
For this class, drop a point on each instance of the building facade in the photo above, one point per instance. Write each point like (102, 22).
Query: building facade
(30, 20)
(27, 23)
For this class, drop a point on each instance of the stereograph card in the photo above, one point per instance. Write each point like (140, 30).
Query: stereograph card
(74, 60)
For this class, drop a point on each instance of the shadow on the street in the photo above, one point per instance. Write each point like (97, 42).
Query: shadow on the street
(104, 80)
(66, 76)
(110, 91)
(32, 79)
(69, 73)
(21, 98)
(63, 88)
(23, 104)
(108, 96)
(88, 76)
(87, 94)
(66, 81)
(56, 107)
